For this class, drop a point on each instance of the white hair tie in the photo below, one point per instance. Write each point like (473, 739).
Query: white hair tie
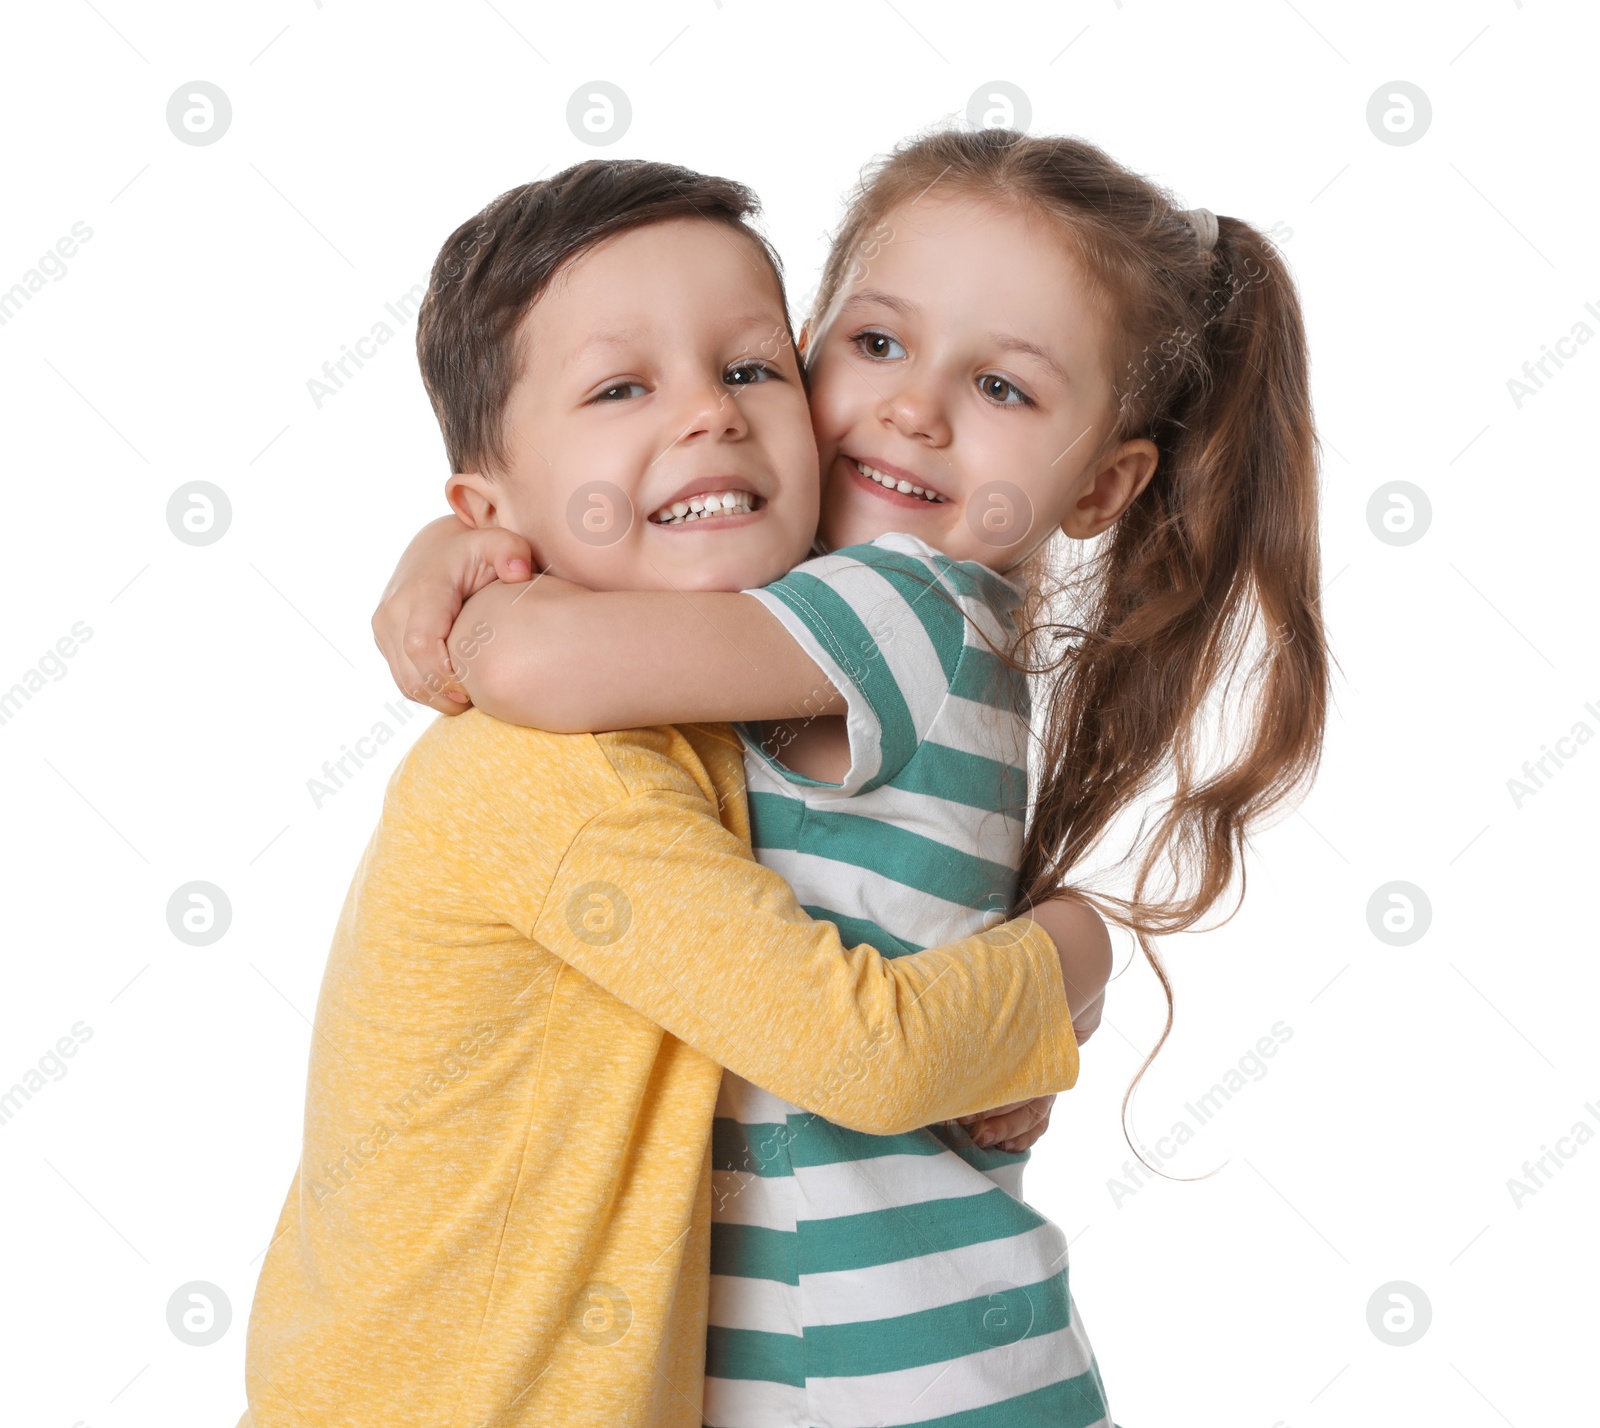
(1204, 223)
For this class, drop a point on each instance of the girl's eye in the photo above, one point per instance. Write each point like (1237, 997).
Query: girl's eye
(619, 391)
(747, 374)
(879, 346)
(1002, 392)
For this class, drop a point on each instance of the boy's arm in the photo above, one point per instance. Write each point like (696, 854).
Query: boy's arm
(1084, 946)
(713, 947)
(553, 655)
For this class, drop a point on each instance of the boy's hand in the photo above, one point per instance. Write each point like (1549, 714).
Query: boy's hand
(445, 564)
(1013, 1127)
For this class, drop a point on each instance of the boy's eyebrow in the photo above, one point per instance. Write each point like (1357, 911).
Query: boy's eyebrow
(757, 322)
(619, 338)
(622, 336)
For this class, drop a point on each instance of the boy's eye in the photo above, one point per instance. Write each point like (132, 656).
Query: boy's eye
(1002, 392)
(878, 345)
(619, 391)
(745, 374)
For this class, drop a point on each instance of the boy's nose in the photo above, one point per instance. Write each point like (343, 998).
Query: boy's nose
(713, 411)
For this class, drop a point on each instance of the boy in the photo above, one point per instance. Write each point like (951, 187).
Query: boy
(554, 943)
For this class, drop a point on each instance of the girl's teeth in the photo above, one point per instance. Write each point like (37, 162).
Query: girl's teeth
(712, 503)
(891, 484)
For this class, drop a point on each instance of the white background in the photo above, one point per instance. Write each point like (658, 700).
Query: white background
(178, 744)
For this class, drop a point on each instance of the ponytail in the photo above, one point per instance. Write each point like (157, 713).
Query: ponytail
(1187, 646)
(1214, 571)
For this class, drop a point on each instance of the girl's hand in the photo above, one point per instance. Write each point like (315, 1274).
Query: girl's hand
(445, 564)
(1087, 1021)
(1083, 947)
(1013, 1127)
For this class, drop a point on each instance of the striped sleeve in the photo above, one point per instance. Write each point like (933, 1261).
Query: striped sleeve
(885, 623)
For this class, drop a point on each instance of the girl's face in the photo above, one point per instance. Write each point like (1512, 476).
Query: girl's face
(960, 388)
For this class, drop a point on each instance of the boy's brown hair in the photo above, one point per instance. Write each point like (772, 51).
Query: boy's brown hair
(497, 264)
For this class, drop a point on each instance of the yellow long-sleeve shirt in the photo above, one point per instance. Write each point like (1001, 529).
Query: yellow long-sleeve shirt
(552, 946)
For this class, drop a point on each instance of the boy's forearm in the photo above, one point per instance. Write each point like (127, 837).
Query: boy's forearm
(714, 948)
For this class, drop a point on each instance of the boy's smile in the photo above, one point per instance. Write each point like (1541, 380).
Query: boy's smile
(720, 503)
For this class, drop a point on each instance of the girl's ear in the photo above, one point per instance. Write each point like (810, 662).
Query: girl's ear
(804, 340)
(1112, 489)
(471, 497)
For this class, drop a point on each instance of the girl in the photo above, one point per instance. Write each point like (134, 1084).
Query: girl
(1013, 336)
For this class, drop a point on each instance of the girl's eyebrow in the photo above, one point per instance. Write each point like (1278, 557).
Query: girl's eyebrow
(1005, 341)
(1008, 343)
(888, 300)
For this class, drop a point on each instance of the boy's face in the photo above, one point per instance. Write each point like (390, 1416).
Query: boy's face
(659, 371)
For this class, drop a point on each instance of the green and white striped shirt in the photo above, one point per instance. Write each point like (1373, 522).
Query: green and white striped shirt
(891, 1279)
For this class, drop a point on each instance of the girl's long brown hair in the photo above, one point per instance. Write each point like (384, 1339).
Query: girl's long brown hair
(1196, 617)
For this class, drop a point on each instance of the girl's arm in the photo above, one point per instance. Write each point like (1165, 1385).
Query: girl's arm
(446, 562)
(553, 655)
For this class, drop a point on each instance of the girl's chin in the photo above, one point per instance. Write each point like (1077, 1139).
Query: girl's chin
(854, 521)
(836, 534)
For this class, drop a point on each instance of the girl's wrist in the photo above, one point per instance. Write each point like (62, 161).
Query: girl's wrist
(1083, 949)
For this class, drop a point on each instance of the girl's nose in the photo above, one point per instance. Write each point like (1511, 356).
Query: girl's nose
(917, 412)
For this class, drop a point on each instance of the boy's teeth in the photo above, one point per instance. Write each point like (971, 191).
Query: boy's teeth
(710, 503)
(889, 482)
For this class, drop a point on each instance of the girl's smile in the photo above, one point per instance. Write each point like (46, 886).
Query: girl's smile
(966, 353)
(894, 483)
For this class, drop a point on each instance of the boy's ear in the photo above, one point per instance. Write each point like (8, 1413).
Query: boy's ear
(804, 340)
(472, 497)
(1113, 489)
